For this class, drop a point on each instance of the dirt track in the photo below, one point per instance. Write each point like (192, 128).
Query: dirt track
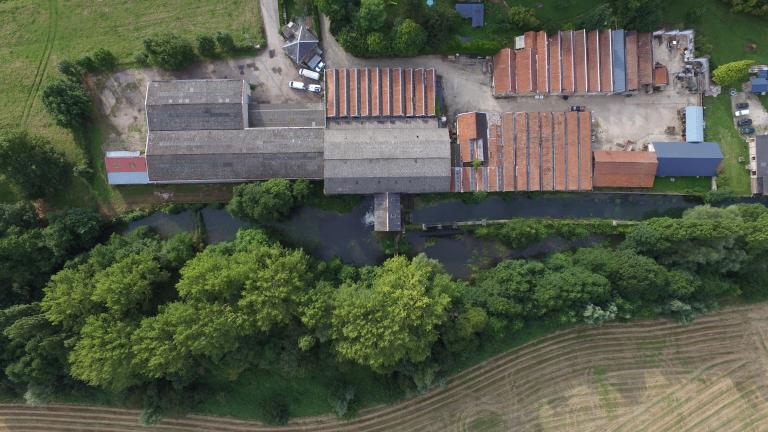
(649, 376)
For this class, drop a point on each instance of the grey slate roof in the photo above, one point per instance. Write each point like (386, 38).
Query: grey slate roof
(473, 11)
(182, 92)
(302, 46)
(377, 160)
(761, 162)
(196, 104)
(234, 155)
(286, 115)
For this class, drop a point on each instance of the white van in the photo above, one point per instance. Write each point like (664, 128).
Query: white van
(741, 113)
(309, 74)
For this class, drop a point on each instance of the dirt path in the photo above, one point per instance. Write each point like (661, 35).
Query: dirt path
(45, 57)
(650, 376)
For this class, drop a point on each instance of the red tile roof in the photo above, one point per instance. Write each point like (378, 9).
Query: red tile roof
(429, 77)
(408, 84)
(504, 72)
(375, 92)
(419, 93)
(630, 51)
(547, 161)
(560, 154)
(645, 58)
(569, 81)
(585, 151)
(555, 64)
(524, 63)
(572, 150)
(580, 60)
(624, 169)
(606, 62)
(542, 63)
(508, 150)
(342, 90)
(593, 61)
(365, 100)
(534, 152)
(397, 92)
(466, 130)
(330, 93)
(125, 164)
(521, 151)
(386, 95)
(353, 92)
(660, 75)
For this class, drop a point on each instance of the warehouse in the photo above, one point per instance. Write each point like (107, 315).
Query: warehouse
(537, 151)
(197, 104)
(575, 62)
(624, 169)
(211, 156)
(375, 160)
(679, 159)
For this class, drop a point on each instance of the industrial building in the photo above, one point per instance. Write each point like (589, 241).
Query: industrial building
(758, 164)
(380, 93)
(683, 159)
(126, 168)
(624, 169)
(538, 151)
(576, 62)
(197, 104)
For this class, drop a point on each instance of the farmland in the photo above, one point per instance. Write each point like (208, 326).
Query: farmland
(649, 375)
(35, 35)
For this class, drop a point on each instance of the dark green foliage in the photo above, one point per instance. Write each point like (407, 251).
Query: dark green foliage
(268, 201)
(86, 64)
(409, 38)
(275, 411)
(104, 60)
(522, 18)
(206, 45)
(225, 42)
(752, 7)
(641, 15)
(372, 15)
(439, 21)
(21, 215)
(32, 164)
(68, 103)
(169, 51)
(70, 69)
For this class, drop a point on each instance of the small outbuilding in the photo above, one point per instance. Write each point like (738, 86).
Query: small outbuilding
(472, 11)
(759, 83)
(624, 169)
(126, 168)
(685, 159)
(694, 124)
(303, 47)
(758, 164)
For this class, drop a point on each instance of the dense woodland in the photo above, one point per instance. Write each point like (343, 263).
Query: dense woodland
(165, 323)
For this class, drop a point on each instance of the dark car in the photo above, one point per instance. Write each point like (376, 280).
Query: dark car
(747, 131)
(745, 122)
(578, 108)
(742, 105)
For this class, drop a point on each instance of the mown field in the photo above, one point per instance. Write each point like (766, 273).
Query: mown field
(36, 34)
(650, 376)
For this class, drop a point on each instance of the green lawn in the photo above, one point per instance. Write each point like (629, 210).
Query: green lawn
(682, 185)
(36, 34)
(720, 128)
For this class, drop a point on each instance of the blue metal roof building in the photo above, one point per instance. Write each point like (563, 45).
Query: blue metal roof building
(679, 159)
(619, 61)
(759, 84)
(694, 124)
(473, 11)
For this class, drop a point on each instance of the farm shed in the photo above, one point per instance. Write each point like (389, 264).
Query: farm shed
(472, 135)
(575, 62)
(694, 124)
(126, 168)
(624, 169)
(211, 156)
(679, 159)
(197, 104)
(387, 159)
(535, 151)
(758, 164)
(759, 84)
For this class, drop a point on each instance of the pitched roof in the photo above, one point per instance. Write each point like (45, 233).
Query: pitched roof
(377, 160)
(203, 91)
(473, 11)
(759, 85)
(125, 164)
(624, 169)
(301, 46)
(687, 150)
(196, 104)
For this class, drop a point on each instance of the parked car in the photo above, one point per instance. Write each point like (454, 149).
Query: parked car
(309, 74)
(742, 105)
(745, 122)
(747, 131)
(298, 85)
(741, 113)
(320, 66)
(315, 88)
(578, 108)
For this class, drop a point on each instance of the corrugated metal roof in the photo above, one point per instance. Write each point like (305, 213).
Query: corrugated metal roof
(619, 62)
(473, 11)
(687, 159)
(127, 178)
(203, 91)
(694, 124)
(759, 85)
(676, 149)
(125, 164)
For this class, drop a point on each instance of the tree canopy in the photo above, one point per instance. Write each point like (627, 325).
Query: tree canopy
(68, 103)
(169, 51)
(733, 73)
(32, 164)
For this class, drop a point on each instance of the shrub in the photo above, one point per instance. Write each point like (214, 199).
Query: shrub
(733, 73)
(67, 102)
(206, 45)
(70, 69)
(104, 60)
(86, 63)
(169, 51)
(275, 411)
(523, 18)
(225, 42)
(268, 201)
(33, 165)
(141, 59)
(409, 38)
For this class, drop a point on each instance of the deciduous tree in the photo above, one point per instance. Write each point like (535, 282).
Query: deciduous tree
(68, 103)
(733, 73)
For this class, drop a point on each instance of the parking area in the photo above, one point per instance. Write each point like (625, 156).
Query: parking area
(757, 112)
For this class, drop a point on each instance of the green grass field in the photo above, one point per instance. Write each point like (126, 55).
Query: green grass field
(36, 34)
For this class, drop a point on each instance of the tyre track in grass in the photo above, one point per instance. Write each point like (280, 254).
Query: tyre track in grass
(42, 65)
